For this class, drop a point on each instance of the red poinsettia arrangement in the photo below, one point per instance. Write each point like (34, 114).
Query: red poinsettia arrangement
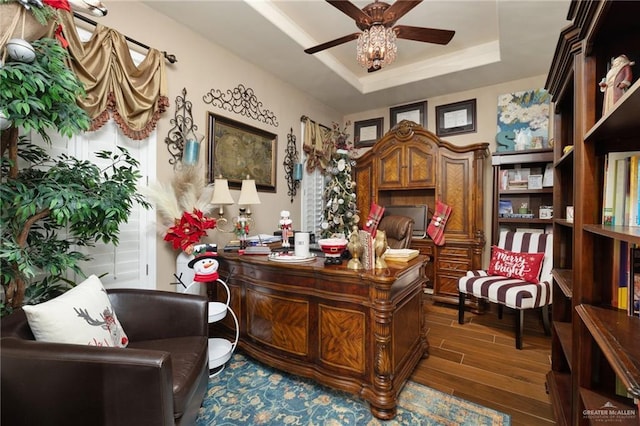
(189, 229)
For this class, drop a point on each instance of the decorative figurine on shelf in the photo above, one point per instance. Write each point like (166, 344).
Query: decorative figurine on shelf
(242, 227)
(616, 82)
(205, 263)
(380, 246)
(524, 208)
(523, 139)
(356, 248)
(286, 227)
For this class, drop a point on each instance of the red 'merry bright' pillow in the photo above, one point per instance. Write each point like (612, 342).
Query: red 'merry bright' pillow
(524, 266)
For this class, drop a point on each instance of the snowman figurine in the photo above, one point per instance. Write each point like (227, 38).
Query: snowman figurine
(205, 263)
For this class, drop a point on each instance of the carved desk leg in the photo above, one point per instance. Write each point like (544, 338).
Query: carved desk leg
(385, 403)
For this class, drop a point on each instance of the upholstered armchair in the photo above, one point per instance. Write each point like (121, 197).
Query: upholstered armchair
(399, 230)
(519, 277)
(160, 378)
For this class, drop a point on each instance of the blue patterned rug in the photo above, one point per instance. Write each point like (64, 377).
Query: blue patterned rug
(247, 392)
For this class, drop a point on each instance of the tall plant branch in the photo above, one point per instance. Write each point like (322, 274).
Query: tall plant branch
(24, 234)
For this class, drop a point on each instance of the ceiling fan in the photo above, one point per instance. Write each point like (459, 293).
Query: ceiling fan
(376, 42)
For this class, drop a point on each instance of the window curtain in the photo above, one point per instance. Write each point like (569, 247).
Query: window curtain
(317, 145)
(134, 95)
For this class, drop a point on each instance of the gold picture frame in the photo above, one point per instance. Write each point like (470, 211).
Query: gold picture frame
(237, 150)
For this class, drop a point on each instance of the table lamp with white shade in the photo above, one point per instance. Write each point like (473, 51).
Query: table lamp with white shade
(248, 197)
(221, 197)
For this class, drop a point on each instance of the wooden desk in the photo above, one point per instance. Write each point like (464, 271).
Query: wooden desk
(359, 331)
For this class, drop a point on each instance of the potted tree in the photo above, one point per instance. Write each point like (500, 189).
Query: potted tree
(52, 204)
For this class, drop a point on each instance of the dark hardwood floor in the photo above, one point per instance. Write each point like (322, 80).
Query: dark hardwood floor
(478, 362)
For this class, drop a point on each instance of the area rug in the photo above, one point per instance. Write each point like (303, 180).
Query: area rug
(247, 392)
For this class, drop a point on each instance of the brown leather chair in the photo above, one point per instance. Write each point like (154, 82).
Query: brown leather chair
(399, 230)
(160, 378)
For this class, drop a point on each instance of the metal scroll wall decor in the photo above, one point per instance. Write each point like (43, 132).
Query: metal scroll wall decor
(182, 125)
(292, 169)
(243, 101)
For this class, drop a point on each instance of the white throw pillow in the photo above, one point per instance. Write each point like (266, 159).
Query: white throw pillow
(83, 315)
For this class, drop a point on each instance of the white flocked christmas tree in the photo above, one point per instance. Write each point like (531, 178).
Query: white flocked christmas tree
(340, 209)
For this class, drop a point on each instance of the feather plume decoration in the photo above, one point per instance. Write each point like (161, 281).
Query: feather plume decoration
(185, 193)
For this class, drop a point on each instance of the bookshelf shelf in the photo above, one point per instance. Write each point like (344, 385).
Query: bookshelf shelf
(564, 336)
(622, 121)
(565, 160)
(563, 222)
(524, 221)
(616, 333)
(564, 279)
(630, 234)
(526, 191)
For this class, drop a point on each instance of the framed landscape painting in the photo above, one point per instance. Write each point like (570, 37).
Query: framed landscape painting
(237, 150)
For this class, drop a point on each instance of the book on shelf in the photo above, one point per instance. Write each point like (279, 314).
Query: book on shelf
(634, 188)
(505, 207)
(634, 282)
(621, 274)
(621, 189)
(547, 179)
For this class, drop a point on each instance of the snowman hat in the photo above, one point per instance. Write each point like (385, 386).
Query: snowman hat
(203, 251)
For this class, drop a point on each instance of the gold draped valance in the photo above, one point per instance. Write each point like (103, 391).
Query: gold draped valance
(134, 95)
(317, 145)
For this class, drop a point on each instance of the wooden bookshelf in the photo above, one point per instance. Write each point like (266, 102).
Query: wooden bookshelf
(594, 347)
(510, 161)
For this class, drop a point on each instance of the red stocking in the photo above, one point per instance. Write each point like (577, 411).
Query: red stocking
(438, 222)
(375, 215)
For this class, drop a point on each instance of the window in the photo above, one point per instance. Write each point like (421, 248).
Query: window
(131, 263)
(312, 199)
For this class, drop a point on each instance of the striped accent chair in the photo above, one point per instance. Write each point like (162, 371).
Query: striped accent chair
(514, 293)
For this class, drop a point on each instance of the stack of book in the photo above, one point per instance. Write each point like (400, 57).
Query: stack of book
(400, 255)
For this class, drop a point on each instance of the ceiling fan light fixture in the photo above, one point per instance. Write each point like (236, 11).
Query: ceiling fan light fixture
(376, 47)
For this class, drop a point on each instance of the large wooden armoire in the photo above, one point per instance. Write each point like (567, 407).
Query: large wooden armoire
(410, 165)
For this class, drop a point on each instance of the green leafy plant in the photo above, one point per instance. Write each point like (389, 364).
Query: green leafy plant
(42, 95)
(53, 204)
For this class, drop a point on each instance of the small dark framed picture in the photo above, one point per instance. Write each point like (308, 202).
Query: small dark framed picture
(456, 118)
(416, 112)
(367, 132)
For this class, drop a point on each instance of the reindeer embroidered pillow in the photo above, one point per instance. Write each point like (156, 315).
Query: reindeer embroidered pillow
(82, 315)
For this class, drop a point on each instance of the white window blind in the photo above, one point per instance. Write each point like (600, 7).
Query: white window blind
(312, 189)
(131, 263)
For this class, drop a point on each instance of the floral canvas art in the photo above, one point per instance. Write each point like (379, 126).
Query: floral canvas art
(523, 120)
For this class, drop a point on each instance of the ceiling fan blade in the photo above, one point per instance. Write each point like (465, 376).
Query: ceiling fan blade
(428, 35)
(331, 43)
(397, 10)
(352, 11)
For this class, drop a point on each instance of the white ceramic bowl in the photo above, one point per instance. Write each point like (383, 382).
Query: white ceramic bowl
(21, 50)
(333, 246)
